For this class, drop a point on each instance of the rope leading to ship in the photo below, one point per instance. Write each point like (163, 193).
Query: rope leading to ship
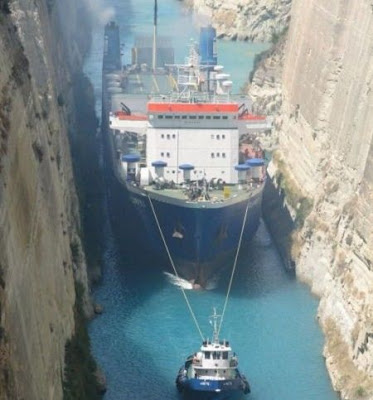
(174, 268)
(234, 267)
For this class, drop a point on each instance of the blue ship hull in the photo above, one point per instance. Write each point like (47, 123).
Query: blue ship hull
(210, 235)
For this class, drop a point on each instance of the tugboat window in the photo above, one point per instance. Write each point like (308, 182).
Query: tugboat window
(184, 117)
(207, 355)
(225, 355)
(160, 116)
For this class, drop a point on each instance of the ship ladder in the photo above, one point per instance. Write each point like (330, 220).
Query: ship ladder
(174, 268)
(234, 266)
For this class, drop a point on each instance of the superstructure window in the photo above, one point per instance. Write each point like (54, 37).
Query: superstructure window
(223, 155)
(218, 137)
(223, 136)
(168, 116)
(212, 155)
(225, 355)
(177, 117)
(217, 154)
(225, 117)
(207, 355)
(192, 117)
(168, 154)
(173, 136)
(216, 117)
(162, 154)
(162, 136)
(160, 116)
(208, 116)
(201, 117)
(183, 116)
(168, 136)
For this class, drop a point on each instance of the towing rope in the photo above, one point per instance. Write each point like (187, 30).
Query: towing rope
(234, 267)
(174, 268)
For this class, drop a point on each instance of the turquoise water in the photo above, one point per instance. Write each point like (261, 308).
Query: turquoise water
(146, 332)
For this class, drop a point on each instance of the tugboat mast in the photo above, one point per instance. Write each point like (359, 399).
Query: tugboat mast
(215, 335)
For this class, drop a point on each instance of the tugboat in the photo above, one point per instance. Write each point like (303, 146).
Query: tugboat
(212, 373)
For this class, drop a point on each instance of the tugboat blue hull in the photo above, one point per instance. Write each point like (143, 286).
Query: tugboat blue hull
(196, 389)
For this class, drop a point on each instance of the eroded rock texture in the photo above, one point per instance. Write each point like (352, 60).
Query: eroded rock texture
(258, 20)
(41, 46)
(325, 141)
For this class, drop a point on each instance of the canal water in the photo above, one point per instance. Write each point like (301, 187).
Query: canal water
(146, 331)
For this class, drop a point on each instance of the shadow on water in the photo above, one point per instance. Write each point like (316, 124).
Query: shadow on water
(256, 262)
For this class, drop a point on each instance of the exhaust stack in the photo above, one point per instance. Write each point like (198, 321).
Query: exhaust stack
(154, 63)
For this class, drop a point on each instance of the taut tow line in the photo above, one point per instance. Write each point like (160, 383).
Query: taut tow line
(177, 275)
(234, 267)
(174, 268)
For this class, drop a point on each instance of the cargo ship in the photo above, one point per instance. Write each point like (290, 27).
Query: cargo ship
(173, 136)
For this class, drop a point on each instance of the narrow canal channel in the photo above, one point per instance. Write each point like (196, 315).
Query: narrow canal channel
(146, 332)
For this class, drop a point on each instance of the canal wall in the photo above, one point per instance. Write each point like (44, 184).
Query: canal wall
(43, 271)
(325, 149)
(317, 81)
(260, 20)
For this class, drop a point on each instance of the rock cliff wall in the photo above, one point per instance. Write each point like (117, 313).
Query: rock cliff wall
(41, 46)
(257, 20)
(325, 136)
(324, 163)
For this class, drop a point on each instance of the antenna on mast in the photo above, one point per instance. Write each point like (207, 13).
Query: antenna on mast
(154, 61)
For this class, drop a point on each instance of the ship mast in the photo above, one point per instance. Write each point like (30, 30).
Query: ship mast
(214, 322)
(154, 61)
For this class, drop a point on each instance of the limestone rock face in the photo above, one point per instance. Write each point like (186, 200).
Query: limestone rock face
(39, 216)
(325, 138)
(257, 20)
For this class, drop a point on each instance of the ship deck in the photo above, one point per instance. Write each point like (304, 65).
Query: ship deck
(216, 195)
